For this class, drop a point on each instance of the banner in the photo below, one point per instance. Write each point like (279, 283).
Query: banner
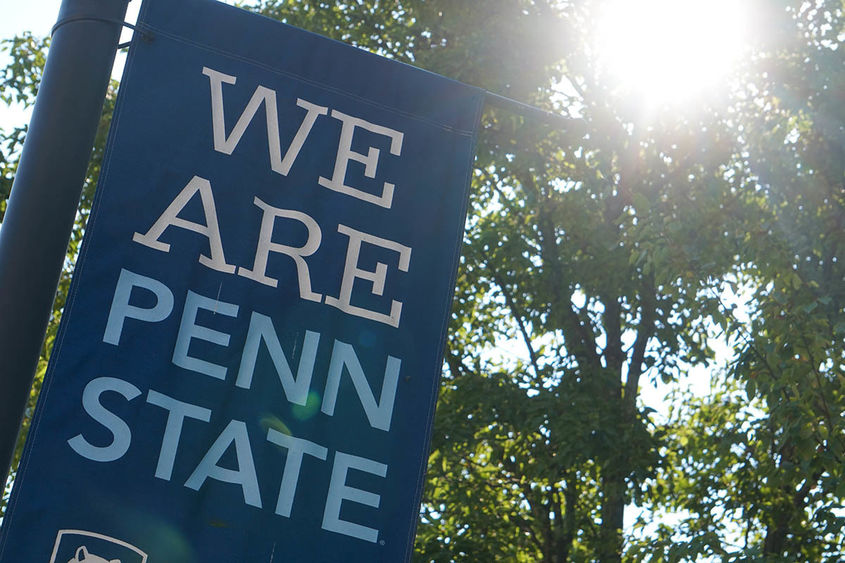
(249, 357)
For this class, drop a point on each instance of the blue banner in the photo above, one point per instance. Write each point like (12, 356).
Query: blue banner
(249, 357)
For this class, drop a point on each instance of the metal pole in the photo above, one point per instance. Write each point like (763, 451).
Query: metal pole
(45, 194)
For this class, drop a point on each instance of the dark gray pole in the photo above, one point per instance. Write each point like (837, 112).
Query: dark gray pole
(45, 194)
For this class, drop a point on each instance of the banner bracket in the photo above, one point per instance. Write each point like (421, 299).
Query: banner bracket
(145, 35)
(529, 111)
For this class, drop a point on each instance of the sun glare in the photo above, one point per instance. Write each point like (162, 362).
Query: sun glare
(669, 51)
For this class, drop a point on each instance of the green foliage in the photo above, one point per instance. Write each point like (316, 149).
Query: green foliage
(507, 47)
(20, 80)
(22, 76)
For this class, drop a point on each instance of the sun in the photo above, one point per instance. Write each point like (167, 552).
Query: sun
(669, 52)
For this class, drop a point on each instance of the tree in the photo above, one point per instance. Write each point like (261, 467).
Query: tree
(547, 225)
(780, 460)
(795, 357)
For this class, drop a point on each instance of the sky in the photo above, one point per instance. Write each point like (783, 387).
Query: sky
(37, 16)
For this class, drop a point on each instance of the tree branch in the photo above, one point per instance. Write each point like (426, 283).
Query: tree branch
(517, 314)
(579, 338)
(648, 312)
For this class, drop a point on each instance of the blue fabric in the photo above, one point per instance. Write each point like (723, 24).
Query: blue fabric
(126, 351)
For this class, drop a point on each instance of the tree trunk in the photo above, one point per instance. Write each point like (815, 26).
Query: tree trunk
(776, 532)
(612, 513)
